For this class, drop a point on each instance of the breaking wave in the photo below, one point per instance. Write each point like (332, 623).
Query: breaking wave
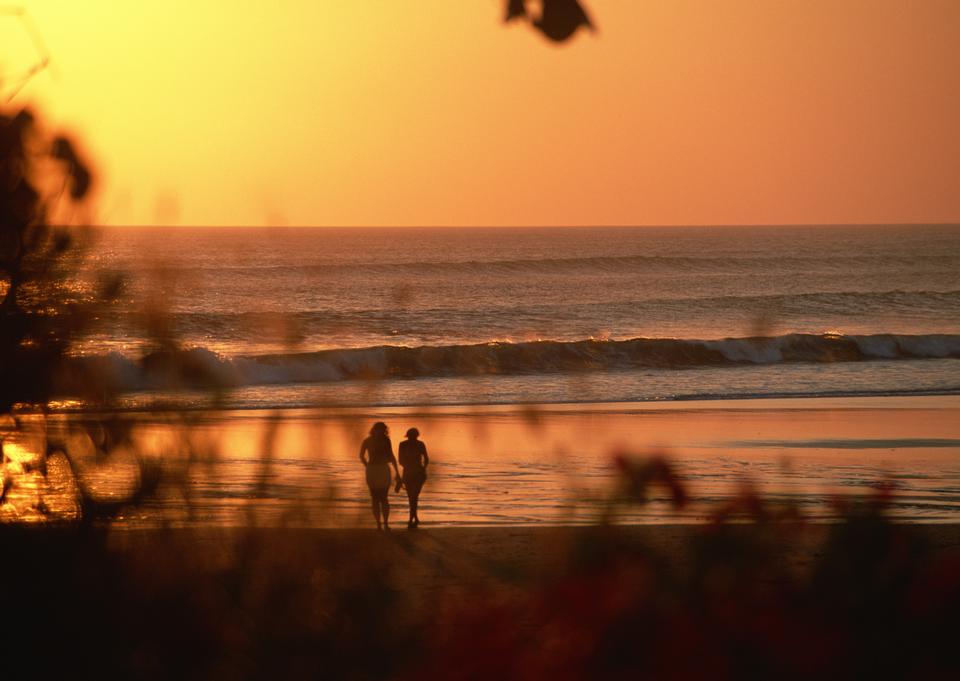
(501, 358)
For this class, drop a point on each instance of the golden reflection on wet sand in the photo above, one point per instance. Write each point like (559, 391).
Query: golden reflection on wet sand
(507, 465)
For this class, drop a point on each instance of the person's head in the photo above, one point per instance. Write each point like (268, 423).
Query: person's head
(413, 434)
(379, 429)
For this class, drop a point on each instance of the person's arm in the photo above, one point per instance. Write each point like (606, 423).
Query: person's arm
(363, 450)
(393, 460)
(426, 459)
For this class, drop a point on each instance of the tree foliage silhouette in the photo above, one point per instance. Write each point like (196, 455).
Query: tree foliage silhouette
(558, 20)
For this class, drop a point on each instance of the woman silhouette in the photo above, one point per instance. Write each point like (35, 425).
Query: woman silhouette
(414, 459)
(379, 457)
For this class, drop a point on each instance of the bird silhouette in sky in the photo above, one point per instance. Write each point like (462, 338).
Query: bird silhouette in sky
(560, 19)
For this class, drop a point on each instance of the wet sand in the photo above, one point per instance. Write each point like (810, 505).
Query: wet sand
(529, 465)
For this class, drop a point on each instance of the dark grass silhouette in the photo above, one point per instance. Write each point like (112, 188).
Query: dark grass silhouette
(721, 600)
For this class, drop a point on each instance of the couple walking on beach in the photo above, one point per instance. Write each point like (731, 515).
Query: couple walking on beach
(376, 454)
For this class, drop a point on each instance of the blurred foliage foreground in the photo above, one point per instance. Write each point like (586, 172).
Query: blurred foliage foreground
(49, 301)
(768, 598)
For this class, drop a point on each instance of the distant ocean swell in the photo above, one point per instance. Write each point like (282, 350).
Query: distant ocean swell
(537, 357)
(631, 263)
(222, 324)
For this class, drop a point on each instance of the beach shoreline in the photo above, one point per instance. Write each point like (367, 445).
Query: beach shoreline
(334, 410)
(543, 465)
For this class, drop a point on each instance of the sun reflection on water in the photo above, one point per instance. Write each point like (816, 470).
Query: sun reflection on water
(34, 492)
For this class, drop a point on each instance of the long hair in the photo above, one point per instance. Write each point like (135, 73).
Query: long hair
(379, 429)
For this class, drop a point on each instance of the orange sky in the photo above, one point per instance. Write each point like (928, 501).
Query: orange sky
(410, 112)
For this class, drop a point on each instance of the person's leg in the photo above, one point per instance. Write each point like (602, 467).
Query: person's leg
(414, 494)
(410, 502)
(385, 505)
(375, 502)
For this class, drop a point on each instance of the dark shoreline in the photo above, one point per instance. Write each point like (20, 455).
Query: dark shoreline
(798, 402)
(780, 599)
(530, 550)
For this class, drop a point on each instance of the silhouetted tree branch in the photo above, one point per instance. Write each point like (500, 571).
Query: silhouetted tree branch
(558, 20)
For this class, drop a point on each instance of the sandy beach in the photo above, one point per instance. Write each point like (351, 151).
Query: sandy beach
(536, 555)
(429, 565)
(514, 602)
(524, 465)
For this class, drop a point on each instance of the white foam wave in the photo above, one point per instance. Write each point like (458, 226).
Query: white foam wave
(202, 367)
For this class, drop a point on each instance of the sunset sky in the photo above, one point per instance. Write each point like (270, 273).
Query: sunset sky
(433, 112)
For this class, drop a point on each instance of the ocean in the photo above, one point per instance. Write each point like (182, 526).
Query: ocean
(808, 363)
(291, 317)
